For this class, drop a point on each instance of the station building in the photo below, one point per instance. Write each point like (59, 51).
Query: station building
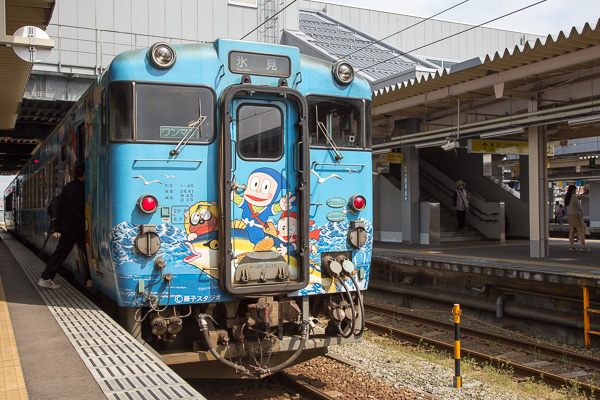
(427, 93)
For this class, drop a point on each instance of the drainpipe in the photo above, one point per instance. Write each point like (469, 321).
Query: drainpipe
(500, 304)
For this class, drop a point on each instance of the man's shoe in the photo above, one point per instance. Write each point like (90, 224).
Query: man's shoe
(585, 249)
(572, 248)
(48, 284)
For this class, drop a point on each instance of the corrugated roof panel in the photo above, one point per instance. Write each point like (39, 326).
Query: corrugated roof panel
(340, 42)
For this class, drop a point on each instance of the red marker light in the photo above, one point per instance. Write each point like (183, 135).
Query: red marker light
(147, 203)
(357, 202)
(36, 161)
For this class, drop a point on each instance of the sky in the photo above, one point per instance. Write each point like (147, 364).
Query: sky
(548, 17)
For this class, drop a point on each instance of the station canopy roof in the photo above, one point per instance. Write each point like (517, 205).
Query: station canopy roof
(569, 60)
(16, 147)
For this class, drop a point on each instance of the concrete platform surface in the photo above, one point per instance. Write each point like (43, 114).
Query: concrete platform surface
(509, 259)
(70, 349)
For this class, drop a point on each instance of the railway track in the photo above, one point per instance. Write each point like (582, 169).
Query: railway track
(305, 389)
(553, 380)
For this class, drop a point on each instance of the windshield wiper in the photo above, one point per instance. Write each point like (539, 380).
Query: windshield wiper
(195, 125)
(323, 129)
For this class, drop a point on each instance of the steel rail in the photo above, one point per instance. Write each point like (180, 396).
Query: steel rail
(298, 384)
(553, 380)
(581, 360)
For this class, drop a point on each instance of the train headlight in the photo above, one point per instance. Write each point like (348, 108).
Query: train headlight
(357, 202)
(343, 72)
(147, 203)
(162, 55)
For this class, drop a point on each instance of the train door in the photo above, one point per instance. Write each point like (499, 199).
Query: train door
(264, 240)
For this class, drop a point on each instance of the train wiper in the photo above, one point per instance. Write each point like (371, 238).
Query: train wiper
(323, 129)
(186, 138)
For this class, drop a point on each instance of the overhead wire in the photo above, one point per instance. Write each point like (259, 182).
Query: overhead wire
(402, 30)
(454, 34)
(267, 20)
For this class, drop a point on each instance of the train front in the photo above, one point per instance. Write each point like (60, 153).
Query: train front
(239, 204)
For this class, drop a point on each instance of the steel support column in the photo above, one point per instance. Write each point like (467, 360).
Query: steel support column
(539, 244)
(410, 195)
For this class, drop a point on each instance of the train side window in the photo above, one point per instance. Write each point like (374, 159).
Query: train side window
(342, 118)
(260, 132)
(103, 118)
(120, 111)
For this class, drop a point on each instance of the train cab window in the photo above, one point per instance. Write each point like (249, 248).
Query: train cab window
(342, 119)
(120, 111)
(260, 132)
(168, 113)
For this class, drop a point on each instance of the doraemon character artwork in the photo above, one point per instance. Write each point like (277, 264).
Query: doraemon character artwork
(259, 200)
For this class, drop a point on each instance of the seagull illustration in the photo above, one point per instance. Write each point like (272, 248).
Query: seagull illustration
(348, 211)
(351, 170)
(145, 181)
(169, 176)
(321, 180)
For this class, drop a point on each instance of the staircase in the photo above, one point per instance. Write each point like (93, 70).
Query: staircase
(448, 224)
(448, 231)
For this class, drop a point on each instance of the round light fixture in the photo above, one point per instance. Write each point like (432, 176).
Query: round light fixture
(343, 72)
(162, 55)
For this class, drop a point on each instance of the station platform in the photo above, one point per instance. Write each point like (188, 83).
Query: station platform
(509, 260)
(56, 344)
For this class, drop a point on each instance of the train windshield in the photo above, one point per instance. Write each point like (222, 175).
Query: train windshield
(163, 113)
(343, 120)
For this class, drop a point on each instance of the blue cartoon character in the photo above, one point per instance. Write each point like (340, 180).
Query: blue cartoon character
(260, 200)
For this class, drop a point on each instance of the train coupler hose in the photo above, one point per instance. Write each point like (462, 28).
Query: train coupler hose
(204, 328)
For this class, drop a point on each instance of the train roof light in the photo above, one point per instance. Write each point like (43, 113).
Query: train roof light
(162, 55)
(147, 203)
(343, 72)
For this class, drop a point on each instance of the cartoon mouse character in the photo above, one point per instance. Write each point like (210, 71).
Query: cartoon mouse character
(201, 218)
(260, 200)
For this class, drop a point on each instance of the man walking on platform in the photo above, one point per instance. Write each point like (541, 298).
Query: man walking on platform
(71, 227)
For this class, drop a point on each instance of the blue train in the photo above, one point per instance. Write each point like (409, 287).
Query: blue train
(228, 202)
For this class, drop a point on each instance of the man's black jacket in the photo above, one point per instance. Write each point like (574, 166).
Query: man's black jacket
(73, 209)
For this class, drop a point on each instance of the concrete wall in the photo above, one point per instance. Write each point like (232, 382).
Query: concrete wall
(88, 34)
(475, 43)
(388, 210)
(469, 168)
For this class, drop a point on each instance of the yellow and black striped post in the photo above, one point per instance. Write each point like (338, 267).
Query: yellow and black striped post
(457, 313)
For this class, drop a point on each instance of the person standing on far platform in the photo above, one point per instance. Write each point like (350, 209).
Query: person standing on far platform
(71, 227)
(461, 205)
(556, 211)
(575, 218)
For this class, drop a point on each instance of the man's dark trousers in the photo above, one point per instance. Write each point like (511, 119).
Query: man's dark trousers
(64, 247)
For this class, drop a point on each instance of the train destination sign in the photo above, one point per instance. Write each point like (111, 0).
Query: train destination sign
(259, 64)
(176, 132)
(498, 146)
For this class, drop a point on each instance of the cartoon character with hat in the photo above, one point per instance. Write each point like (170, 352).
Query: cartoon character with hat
(260, 200)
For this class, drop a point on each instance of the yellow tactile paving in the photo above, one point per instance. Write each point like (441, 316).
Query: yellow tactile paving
(12, 384)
